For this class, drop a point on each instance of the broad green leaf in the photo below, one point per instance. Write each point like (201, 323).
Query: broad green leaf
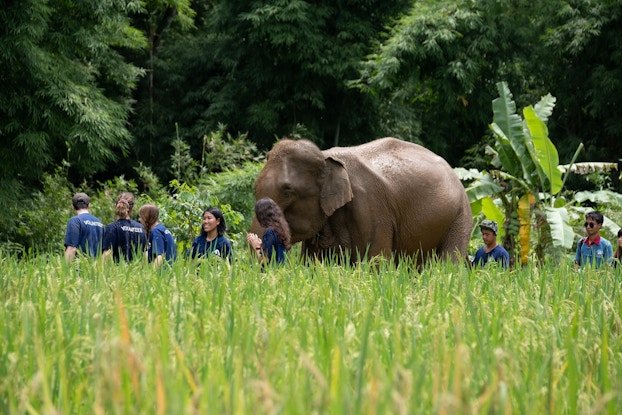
(544, 107)
(484, 187)
(562, 234)
(504, 110)
(505, 158)
(507, 125)
(476, 207)
(517, 161)
(470, 174)
(599, 197)
(545, 157)
(611, 226)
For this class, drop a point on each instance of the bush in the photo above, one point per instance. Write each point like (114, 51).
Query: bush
(230, 191)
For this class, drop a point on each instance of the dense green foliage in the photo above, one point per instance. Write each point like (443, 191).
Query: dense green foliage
(326, 339)
(147, 92)
(267, 68)
(66, 86)
(440, 64)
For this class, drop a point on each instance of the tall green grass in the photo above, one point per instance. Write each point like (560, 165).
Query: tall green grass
(374, 338)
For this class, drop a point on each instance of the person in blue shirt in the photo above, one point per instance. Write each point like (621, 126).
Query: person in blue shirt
(593, 250)
(160, 241)
(84, 231)
(212, 240)
(276, 240)
(124, 238)
(491, 251)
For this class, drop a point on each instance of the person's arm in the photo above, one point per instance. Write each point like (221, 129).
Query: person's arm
(109, 240)
(157, 262)
(72, 238)
(255, 243)
(157, 248)
(106, 255)
(577, 257)
(505, 259)
(70, 253)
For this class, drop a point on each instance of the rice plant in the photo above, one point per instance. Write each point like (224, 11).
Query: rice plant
(374, 338)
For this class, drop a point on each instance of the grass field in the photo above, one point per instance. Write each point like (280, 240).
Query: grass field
(317, 339)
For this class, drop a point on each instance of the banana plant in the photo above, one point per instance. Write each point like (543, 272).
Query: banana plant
(526, 181)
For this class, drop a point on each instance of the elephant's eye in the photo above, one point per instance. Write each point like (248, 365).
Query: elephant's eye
(287, 192)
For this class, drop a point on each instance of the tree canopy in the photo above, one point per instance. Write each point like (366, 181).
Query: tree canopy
(105, 86)
(66, 84)
(441, 62)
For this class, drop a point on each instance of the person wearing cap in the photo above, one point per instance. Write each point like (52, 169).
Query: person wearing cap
(84, 231)
(491, 251)
(593, 250)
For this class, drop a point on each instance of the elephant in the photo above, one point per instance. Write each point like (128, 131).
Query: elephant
(387, 197)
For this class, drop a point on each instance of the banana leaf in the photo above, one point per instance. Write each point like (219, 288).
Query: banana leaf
(562, 234)
(545, 158)
(512, 139)
(485, 186)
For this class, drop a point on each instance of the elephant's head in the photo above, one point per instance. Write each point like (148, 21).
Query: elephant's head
(307, 187)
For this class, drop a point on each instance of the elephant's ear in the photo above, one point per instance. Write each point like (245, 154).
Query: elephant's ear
(336, 190)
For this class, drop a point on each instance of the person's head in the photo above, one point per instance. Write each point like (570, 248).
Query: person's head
(489, 230)
(149, 215)
(124, 205)
(620, 238)
(593, 222)
(267, 212)
(81, 201)
(213, 217)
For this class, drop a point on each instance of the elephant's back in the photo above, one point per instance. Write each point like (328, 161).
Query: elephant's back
(398, 166)
(388, 154)
(422, 197)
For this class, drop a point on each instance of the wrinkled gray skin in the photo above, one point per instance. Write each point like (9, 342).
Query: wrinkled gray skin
(387, 197)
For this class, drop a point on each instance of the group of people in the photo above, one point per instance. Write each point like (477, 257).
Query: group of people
(592, 250)
(126, 239)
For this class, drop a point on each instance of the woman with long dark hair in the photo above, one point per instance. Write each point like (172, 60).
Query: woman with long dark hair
(161, 242)
(276, 240)
(212, 240)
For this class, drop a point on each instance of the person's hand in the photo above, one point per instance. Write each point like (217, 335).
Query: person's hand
(253, 240)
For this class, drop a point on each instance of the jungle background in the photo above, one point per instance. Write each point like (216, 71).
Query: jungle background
(179, 100)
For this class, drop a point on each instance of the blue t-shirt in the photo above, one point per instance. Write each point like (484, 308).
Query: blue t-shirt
(85, 233)
(125, 237)
(594, 254)
(498, 254)
(220, 246)
(272, 247)
(161, 242)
